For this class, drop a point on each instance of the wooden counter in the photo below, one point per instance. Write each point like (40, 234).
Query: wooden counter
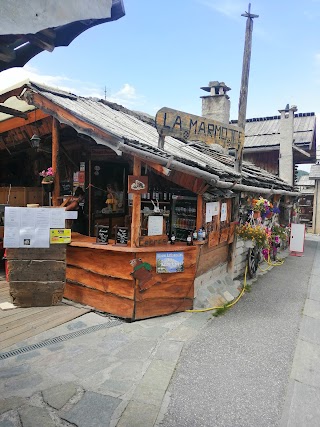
(103, 276)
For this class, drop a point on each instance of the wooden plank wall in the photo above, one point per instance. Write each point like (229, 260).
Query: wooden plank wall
(103, 279)
(36, 276)
(174, 293)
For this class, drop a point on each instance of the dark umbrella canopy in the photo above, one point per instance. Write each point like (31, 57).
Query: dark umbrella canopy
(17, 49)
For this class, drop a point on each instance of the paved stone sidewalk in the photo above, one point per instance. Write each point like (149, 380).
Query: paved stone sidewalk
(116, 376)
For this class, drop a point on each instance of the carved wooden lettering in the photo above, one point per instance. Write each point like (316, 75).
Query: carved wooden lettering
(196, 128)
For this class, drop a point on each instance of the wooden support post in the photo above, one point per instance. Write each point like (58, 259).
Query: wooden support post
(55, 162)
(136, 208)
(89, 197)
(199, 221)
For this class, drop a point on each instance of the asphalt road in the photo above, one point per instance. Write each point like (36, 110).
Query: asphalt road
(235, 372)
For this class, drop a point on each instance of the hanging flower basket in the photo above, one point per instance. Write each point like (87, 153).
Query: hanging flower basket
(47, 186)
(47, 180)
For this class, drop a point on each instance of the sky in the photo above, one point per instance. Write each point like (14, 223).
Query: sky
(162, 51)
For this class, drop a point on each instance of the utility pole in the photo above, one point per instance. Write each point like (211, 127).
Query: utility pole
(242, 111)
(244, 81)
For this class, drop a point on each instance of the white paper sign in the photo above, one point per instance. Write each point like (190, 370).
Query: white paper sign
(11, 237)
(155, 225)
(30, 227)
(12, 219)
(71, 214)
(57, 218)
(212, 209)
(223, 212)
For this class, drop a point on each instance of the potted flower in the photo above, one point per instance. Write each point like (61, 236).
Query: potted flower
(47, 179)
(262, 207)
(253, 235)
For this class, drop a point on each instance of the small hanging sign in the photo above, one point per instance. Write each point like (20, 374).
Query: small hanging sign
(102, 235)
(121, 236)
(137, 184)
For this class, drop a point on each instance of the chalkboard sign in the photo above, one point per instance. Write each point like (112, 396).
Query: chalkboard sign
(102, 236)
(65, 188)
(121, 236)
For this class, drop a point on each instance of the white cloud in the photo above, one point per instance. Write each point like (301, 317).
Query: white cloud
(230, 8)
(126, 95)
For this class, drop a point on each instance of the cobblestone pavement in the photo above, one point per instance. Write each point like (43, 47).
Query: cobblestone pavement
(123, 374)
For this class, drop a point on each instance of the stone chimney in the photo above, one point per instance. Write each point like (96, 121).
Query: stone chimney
(286, 140)
(216, 106)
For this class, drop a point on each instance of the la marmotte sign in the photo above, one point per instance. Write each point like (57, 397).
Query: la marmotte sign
(196, 128)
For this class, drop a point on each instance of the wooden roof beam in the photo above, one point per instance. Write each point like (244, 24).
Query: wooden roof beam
(13, 112)
(14, 92)
(17, 122)
(80, 125)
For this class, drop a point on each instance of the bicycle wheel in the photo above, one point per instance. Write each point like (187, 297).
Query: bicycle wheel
(253, 261)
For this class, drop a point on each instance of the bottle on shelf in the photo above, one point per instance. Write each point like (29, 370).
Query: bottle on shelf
(200, 234)
(154, 193)
(189, 239)
(203, 233)
(165, 195)
(172, 238)
(148, 194)
(195, 235)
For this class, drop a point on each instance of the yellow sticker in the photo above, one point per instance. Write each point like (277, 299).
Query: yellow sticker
(60, 235)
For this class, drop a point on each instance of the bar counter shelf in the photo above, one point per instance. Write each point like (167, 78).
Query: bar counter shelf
(124, 281)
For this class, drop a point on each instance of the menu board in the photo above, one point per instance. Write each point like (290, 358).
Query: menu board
(155, 225)
(102, 236)
(65, 188)
(121, 236)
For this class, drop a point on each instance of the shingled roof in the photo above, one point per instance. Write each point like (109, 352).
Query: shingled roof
(264, 131)
(129, 130)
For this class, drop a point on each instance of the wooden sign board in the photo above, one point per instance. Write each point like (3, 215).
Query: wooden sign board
(66, 188)
(102, 234)
(121, 236)
(224, 234)
(137, 184)
(145, 241)
(213, 238)
(196, 128)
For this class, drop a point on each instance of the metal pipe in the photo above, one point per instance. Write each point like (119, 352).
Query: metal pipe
(208, 177)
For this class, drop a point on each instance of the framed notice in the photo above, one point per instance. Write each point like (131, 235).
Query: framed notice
(121, 236)
(170, 262)
(102, 234)
(137, 184)
(155, 225)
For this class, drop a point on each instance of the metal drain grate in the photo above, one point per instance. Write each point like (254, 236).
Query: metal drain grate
(55, 340)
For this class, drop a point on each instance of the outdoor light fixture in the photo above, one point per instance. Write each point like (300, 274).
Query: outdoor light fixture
(35, 141)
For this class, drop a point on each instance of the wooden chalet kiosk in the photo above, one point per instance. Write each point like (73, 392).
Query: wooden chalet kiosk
(158, 212)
